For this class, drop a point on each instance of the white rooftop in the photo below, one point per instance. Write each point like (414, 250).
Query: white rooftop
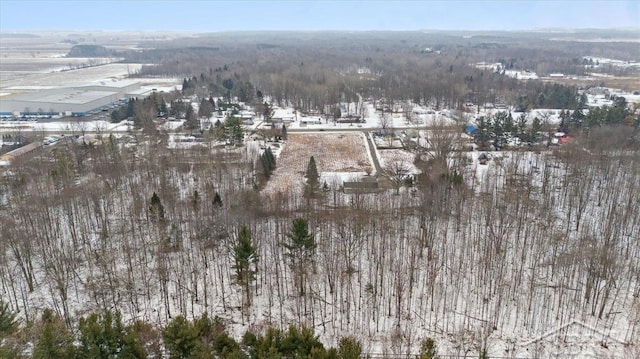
(110, 83)
(71, 96)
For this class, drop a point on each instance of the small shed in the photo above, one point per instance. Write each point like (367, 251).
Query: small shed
(360, 187)
(311, 120)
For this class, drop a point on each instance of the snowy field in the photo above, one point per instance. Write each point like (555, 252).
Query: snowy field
(405, 159)
(69, 126)
(66, 78)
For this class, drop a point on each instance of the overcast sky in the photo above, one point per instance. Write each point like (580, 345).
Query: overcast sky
(205, 16)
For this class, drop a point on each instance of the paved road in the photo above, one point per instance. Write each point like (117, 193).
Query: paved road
(374, 155)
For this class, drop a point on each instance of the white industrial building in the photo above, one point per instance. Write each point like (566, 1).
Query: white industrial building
(67, 102)
(74, 101)
(122, 87)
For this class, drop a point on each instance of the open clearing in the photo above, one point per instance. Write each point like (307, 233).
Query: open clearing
(389, 157)
(334, 153)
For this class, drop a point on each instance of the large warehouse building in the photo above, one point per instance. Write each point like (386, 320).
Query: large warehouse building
(122, 87)
(75, 101)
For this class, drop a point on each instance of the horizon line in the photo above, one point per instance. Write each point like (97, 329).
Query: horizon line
(622, 28)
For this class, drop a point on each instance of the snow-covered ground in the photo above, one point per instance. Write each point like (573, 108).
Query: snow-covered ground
(502, 266)
(67, 125)
(595, 62)
(372, 119)
(68, 78)
(487, 273)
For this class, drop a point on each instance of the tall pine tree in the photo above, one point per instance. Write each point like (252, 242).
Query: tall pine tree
(268, 161)
(156, 209)
(300, 250)
(217, 201)
(105, 336)
(7, 319)
(55, 341)
(313, 179)
(191, 120)
(246, 259)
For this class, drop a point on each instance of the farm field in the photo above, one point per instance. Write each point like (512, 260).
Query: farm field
(336, 155)
(66, 78)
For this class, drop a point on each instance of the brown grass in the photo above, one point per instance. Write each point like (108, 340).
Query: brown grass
(333, 152)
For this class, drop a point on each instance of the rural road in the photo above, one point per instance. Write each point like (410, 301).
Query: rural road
(374, 155)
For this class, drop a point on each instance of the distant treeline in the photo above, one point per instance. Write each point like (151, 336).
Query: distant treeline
(92, 51)
(317, 71)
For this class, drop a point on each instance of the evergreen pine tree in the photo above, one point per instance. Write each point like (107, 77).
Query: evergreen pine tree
(483, 135)
(267, 112)
(130, 110)
(55, 341)
(534, 131)
(266, 167)
(349, 348)
(428, 349)
(156, 209)
(195, 201)
(521, 126)
(300, 249)
(233, 131)
(271, 159)
(565, 119)
(7, 320)
(217, 201)
(301, 343)
(312, 177)
(268, 161)
(181, 338)
(228, 84)
(284, 132)
(105, 336)
(191, 120)
(205, 109)
(218, 131)
(246, 259)
(509, 125)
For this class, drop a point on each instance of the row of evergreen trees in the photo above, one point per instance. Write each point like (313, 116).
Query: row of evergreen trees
(230, 131)
(104, 335)
(551, 96)
(618, 113)
(498, 128)
(229, 88)
(268, 162)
